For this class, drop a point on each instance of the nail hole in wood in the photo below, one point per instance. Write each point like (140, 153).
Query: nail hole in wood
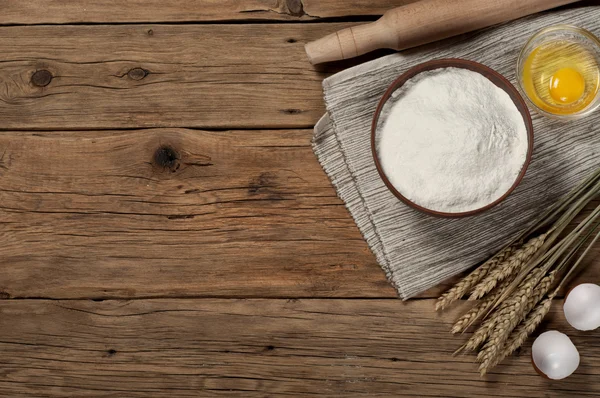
(291, 40)
(269, 348)
(137, 73)
(111, 352)
(41, 78)
(150, 32)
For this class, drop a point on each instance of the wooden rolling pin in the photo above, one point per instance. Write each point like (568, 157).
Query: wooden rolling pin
(422, 22)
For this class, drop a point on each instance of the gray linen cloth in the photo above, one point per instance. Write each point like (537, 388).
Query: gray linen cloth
(418, 251)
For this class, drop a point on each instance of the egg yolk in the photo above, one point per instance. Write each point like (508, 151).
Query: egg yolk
(567, 85)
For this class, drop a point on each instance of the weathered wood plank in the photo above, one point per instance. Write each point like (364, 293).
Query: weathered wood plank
(155, 11)
(103, 11)
(190, 348)
(173, 212)
(131, 76)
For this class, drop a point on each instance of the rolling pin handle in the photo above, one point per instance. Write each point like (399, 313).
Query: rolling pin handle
(346, 43)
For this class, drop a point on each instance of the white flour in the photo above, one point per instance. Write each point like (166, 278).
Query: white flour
(451, 140)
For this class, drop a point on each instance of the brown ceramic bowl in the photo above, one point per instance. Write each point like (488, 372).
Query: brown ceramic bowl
(495, 78)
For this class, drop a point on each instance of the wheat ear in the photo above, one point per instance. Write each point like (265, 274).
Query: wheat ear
(539, 310)
(509, 315)
(486, 328)
(508, 268)
(470, 317)
(539, 292)
(522, 332)
(480, 336)
(478, 310)
(468, 282)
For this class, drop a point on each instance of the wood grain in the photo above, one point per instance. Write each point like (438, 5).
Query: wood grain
(131, 76)
(257, 348)
(174, 212)
(101, 11)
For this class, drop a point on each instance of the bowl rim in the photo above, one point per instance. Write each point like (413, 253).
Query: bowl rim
(522, 57)
(497, 79)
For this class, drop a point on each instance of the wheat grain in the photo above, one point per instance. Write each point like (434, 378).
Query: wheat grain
(508, 267)
(468, 282)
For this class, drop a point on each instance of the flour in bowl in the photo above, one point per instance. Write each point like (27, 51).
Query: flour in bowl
(450, 140)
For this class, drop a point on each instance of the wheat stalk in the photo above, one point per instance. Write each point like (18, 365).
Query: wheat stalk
(514, 284)
(552, 253)
(508, 268)
(468, 282)
(531, 320)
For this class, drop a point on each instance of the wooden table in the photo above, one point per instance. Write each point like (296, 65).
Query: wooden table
(167, 231)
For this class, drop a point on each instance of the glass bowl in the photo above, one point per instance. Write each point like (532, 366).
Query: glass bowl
(559, 34)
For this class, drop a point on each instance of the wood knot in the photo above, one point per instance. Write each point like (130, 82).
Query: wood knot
(137, 73)
(295, 7)
(167, 158)
(41, 78)
(150, 32)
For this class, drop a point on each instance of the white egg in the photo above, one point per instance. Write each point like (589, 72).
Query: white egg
(582, 307)
(555, 355)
